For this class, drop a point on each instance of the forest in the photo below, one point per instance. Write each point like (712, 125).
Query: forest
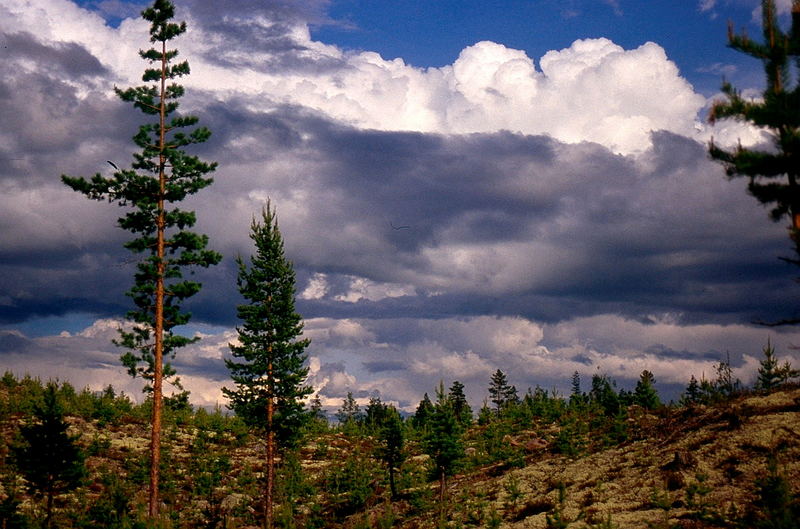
(723, 456)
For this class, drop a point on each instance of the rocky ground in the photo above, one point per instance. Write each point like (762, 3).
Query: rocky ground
(690, 467)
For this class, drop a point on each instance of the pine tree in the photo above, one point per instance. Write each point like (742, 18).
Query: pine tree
(460, 405)
(773, 173)
(162, 174)
(645, 394)
(46, 455)
(500, 392)
(350, 413)
(603, 392)
(443, 442)
(376, 413)
(423, 413)
(576, 398)
(725, 385)
(316, 411)
(391, 450)
(270, 379)
(771, 374)
(693, 394)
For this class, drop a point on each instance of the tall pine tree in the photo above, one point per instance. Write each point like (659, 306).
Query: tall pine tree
(162, 174)
(773, 173)
(270, 378)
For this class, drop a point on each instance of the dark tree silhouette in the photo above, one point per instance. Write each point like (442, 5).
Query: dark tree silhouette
(645, 394)
(391, 450)
(460, 405)
(773, 173)
(46, 455)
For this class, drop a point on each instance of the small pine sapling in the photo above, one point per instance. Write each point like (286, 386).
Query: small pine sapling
(46, 455)
(771, 373)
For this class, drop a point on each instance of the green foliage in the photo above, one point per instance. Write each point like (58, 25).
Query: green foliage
(557, 519)
(577, 399)
(375, 415)
(771, 374)
(571, 438)
(722, 388)
(494, 521)
(617, 430)
(22, 394)
(443, 442)
(111, 509)
(207, 467)
(317, 423)
(494, 443)
(46, 455)
(272, 355)
(776, 506)
(460, 405)
(513, 492)
(391, 449)
(10, 517)
(645, 394)
(544, 405)
(349, 484)
(138, 472)
(726, 385)
(501, 393)
(697, 498)
(772, 173)
(423, 414)
(604, 394)
(350, 416)
(162, 174)
(109, 407)
(292, 489)
(692, 394)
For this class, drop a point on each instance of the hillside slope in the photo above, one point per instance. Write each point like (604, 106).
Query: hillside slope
(686, 467)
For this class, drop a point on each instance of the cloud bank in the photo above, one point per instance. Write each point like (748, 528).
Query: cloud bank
(540, 217)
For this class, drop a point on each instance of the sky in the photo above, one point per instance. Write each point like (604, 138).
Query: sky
(461, 186)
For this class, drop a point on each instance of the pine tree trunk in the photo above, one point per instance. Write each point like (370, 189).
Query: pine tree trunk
(392, 485)
(49, 509)
(270, 452)
(158, 352)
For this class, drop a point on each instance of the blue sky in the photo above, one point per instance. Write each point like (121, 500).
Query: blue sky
(549, 158)
(434, 33)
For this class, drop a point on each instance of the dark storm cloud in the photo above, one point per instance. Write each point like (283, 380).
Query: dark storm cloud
(585, 231)
(67, 59)
(664, 233)
(14, 342)
(379, 366)
(491, 223)
(668, 352)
